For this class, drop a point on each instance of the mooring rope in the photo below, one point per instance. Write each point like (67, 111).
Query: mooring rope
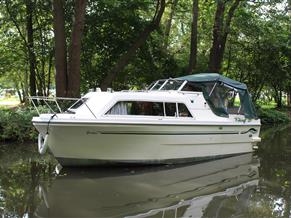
(48, 124)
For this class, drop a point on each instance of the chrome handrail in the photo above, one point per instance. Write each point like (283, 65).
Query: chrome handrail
(46, 99)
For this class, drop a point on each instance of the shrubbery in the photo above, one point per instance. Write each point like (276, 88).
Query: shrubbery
(15, 124)
(272, 116)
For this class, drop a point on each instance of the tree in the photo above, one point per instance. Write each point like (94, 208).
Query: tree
(60, 48)
(220, 32)
(31, 36)
(30, 46)
(75, 50)
(194, 32)
(68, 74)
(27, 41)
(127, 56)
(169, 23)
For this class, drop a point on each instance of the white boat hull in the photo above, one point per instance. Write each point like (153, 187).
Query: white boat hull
(102, 143)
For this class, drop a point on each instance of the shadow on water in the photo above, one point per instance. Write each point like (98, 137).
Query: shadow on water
(251, 185)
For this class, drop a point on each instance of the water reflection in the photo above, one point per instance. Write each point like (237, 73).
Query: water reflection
(116, 192)
(21, 172)
(273, 196)
(249, 185)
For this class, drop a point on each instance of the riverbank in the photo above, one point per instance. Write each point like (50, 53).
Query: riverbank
(15, 123)
(271, 116)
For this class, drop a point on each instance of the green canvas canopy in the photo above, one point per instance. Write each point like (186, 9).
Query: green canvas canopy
(214, 90)
(213, 77)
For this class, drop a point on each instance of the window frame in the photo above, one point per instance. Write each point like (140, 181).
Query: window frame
(163, 105)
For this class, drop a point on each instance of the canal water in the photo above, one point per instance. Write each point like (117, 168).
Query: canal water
(251, 185)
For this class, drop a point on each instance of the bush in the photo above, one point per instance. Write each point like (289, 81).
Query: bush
(15, 124)
(272, 116)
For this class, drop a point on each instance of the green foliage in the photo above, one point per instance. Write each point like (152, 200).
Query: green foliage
(272, 116)
(119, 25)
(257, 49)
(14, 67)
(15, 125)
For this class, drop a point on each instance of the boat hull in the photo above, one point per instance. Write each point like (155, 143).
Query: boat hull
(105, 143)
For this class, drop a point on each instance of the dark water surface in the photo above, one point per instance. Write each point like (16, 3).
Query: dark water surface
(251, 185)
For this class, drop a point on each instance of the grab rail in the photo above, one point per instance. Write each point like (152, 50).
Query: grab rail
(46, 99)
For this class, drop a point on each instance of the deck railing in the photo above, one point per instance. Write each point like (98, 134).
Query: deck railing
(54, 104)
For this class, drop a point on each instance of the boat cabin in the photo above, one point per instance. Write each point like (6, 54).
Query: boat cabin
(207, 95)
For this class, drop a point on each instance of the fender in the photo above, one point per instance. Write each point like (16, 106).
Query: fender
(42, 143)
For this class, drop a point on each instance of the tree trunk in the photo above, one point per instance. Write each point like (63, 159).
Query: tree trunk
(194, 32)
(49, 73)
(214, 65)
(60, 48)
(220, 33)
(31, 54)
(279, 104)
(226, 29)
(228, 60)
(289, 97)
(26, 84)
(169, 23)
(277, 96)
(75, 50)
(127, 56)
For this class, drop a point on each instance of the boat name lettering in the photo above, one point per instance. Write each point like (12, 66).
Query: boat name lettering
(238, 119)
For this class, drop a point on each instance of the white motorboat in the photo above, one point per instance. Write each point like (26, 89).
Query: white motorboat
(191, 118)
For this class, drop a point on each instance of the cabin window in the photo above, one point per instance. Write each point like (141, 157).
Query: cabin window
(233, 104)
(170, 109)
(191, 87)
(223, 100)
(183, 110)
(120, 108)
(147, 108)
(144, 108)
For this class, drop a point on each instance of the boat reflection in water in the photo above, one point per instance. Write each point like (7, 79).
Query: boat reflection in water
(167, 191)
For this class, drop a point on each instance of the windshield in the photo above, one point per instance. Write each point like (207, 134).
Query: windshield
(158, 85)
(172, 85)
(78, 103)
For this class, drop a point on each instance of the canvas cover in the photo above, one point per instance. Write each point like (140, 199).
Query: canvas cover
(213, 77)
(215, 87)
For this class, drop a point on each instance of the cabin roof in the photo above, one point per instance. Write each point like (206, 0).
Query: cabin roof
(172, 96)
